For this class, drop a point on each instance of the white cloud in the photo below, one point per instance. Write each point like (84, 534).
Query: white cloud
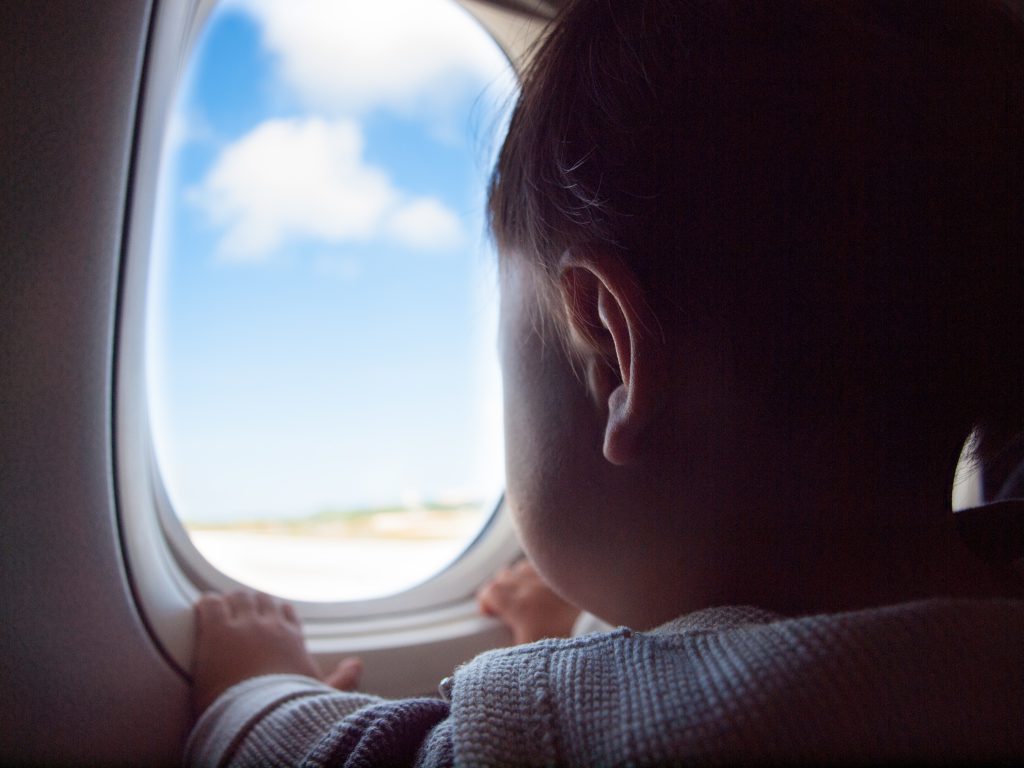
(355, 55)
(306, 179)
(426, 223)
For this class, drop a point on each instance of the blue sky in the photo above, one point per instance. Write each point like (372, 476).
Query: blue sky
(323, 298)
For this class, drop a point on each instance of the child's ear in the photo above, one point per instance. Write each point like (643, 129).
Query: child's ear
(620, 342)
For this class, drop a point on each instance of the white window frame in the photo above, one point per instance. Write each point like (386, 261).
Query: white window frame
(408, 640)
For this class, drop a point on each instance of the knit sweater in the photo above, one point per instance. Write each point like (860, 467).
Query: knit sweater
(938, 680)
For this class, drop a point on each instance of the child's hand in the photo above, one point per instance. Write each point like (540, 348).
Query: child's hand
(525, 604)
(346, 674)
(246, 634)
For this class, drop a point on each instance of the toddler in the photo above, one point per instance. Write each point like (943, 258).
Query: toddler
(762, 275)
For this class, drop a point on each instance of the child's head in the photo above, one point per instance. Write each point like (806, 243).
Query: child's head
(742, 245)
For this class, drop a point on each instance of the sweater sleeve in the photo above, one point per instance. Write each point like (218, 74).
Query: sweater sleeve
(295, 720)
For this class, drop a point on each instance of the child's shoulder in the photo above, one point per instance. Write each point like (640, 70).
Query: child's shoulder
(740, 682)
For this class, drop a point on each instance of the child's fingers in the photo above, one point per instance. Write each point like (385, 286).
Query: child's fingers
(211, 607)
(490, 596)
(484, 600)
(265, 603)
(241, 603)
(288, 611)
(501, 594)
(500, 576)
(346, 674)
(510, 573)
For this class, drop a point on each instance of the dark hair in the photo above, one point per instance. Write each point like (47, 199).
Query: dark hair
(838, 183)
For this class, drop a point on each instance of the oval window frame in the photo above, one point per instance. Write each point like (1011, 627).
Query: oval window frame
(165, 570)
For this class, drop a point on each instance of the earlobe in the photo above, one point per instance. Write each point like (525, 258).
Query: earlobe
(615, 332)
(622, 430)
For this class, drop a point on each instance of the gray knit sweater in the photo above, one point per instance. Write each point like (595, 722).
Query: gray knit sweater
(940, 680)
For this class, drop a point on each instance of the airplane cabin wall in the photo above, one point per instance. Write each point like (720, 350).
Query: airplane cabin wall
(82, 682)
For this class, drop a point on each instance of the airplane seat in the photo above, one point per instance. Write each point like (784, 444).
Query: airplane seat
(993, 525)
(1003, 478)
(995, 528)
(1013, 488)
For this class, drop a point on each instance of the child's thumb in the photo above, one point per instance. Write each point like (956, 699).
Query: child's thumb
(345, 676)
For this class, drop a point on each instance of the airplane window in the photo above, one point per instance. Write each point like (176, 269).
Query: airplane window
(322, 382)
